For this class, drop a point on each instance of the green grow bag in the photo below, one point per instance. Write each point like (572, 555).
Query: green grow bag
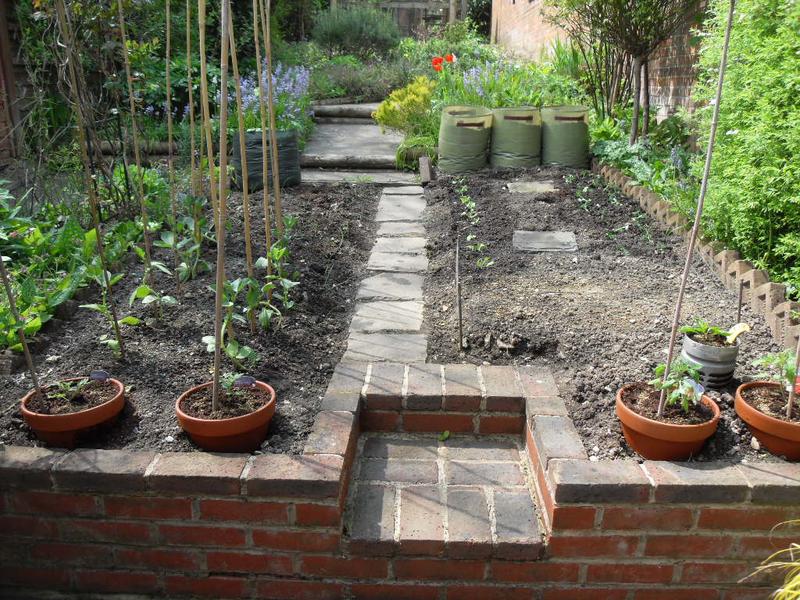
(516, 137)
(565, 136)
(288, 160)
(464, 138)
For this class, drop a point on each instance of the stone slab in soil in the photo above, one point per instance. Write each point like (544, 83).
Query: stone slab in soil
(168, 356)
(400, 208)
(391, 286)
(391, 347)
(598, 317)
(401, 229)
(397, 263)
(387, 316)
(403, 190)
(402, 245)
(364, 176)
(531, 187)
(544, 241)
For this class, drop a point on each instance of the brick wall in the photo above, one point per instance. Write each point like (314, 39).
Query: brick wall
(271, 526)
(519, 26)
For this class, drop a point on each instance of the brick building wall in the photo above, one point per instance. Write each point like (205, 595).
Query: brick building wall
(520, 26)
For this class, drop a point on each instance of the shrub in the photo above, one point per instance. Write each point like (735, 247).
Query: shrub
(408, 110)
(752, 202)
(371, 82)
(358, 30)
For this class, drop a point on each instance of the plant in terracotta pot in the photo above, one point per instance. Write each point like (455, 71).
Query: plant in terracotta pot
(687, 420)
(769, 406)
(231, 413)
(714, 349)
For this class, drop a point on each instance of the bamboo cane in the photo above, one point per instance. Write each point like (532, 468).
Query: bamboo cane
(201, 20)
(12, 305)
(248, 246)
(700, 202)
(136, 148)
(262, 105)
(189, 86)
(223, 197)
(276, 178)
(170, 157)
(72, 59)
(793, 384)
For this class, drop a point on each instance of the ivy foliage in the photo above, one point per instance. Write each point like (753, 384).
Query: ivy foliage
(753, 201)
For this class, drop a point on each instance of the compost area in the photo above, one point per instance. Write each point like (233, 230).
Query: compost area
(329, 248)
(598, 318)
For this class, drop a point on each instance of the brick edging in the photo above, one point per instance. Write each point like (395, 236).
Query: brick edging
(763, 296)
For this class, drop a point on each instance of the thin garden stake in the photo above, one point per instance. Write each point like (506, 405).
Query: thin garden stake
(793, 390)
(72, 60)
(700, 201)
(458, 296)
(170, 157)
(21, 331)
(223, 197)
(262, 106)
(201, 21)
(740, 301)
(276, 177)
(136, 149)
(248, 246)
(189, 86)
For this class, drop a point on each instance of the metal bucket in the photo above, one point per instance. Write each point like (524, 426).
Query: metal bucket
(717, 363)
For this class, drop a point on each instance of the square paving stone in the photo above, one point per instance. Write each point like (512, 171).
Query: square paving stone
(385, 387)
(401, 229)
(424, 390)
(531, 187)
(392, 347)
(414, 449)
(387, 316)
(391, 286)
(397, 263)
(516, 526)
(400, 208)
(468, 523)
(399, 470)
(401, 245)
(477, 448)
(421, 520)
(484, 473)
(545, 241)
(373, 514)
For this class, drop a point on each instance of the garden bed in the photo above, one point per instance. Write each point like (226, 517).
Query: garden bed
(329, 248)
(598, 317)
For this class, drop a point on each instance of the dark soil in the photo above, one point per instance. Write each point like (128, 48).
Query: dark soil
(643, 399)
(771, 402)
(231, 404)
(710, 339)
(93, 393)
(329, 249)
(598, 318)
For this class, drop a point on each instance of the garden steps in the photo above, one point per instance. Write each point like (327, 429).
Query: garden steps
(349, 146)
(467, 497)
(350, 110)
(377, 176)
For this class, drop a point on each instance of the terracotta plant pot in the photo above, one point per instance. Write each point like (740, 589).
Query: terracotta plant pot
(655, 440)
(782, 438)
(237, 434)
(62, 430)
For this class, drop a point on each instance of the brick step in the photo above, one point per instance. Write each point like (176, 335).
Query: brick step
(464, 497)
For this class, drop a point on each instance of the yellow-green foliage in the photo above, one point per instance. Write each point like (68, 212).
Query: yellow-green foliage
(408, 110)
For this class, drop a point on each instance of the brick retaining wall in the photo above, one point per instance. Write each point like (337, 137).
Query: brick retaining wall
(270, 526)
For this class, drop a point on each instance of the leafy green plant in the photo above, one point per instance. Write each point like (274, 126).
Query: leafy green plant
(408, 110)
(67, 390)
(681, 385)
(703, 329)
(148, 296)
(786, 562)
(360, 30)
(780, 367)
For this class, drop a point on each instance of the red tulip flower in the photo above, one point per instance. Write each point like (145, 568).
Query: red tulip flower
(437, 68)
(437, 61)
(450, 57)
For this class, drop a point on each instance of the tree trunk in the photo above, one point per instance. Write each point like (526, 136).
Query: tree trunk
(637, 96)
(646, 99)
(463, 9)
(451, 13)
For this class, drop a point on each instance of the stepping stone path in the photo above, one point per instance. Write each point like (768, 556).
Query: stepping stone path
(467, 496)
(531, 187)
(545, 241)
(387, 324)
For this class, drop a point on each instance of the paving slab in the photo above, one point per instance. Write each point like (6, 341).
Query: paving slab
(401, 245)
(397, 263)
(400, 208)
(383, 447)
(376, 176)
(373, 514)
(391, 286)
(350, 146)
(403, 190)
(400, 470)
(392, 347)
(387, 316)
(545, 241)
(401, 229)
(531, 187)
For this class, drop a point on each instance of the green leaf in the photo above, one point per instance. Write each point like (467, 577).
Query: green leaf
(444, 436)
(210, 342)
(130, 320)
(161, 267)
(140, 292)
(149, 299)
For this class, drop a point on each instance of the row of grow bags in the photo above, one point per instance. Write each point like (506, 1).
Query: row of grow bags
(525, 137)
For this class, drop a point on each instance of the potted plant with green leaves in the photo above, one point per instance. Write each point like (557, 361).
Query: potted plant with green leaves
(675, 431)
(769, 406)
(714, 349)
(230, 413)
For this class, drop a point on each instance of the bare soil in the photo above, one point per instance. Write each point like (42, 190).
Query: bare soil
(710, 339)
(234, 403)
(771, 402)
(329, 249)
(92, 394)
(598, 318)
(643, 399)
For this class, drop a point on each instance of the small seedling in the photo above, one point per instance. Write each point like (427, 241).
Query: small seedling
(443, 437)
(484, 262)
(148, 296)
(68, 390)
(779, 367)
(681, 385)
(702, 328)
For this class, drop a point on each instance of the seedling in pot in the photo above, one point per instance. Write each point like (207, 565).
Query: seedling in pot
(701, 331)
(681, 384)
(781, 367)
